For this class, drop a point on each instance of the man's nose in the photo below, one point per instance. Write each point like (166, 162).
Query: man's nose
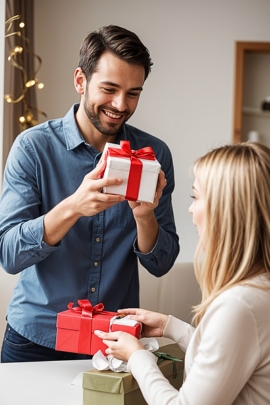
(119, 102)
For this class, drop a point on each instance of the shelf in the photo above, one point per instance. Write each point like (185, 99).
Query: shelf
(252, 63)
(256, 112)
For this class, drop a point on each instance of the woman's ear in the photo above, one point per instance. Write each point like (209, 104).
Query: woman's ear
(79, 81)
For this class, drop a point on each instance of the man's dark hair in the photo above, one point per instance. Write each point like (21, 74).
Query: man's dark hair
(117, 40)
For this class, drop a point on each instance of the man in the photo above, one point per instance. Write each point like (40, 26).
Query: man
(69, 240)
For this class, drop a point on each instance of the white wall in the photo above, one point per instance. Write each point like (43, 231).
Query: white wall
(188, 98)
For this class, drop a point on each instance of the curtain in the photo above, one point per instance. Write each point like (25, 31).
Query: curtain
(13, 76)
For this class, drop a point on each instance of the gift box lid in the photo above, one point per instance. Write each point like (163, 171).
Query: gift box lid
(123, 163)
(119, 383)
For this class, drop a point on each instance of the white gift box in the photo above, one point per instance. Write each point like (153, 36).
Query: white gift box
(119, 167)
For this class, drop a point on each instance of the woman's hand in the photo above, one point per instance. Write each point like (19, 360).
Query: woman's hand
(153, 322)
(121, 345)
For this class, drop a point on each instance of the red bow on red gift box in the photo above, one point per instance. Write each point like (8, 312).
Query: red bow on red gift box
(86, 325)
(75, 328)
(86, 308)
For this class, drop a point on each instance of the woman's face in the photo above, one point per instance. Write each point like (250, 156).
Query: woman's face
(197, 208)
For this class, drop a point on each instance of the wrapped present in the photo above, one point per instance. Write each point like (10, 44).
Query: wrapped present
(76, 326)
(139, 170)
(108, 387)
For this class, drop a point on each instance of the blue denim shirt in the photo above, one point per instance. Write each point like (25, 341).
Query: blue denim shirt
(97, 258)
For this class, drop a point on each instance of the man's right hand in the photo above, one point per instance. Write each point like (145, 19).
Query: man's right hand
(87, 200)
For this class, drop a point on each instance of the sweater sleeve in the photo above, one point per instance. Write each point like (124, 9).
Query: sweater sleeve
(223, 354)
(179, 331)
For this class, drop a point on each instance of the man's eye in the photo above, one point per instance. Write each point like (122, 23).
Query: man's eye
(106, 90)
(134, 94)
(193, 197)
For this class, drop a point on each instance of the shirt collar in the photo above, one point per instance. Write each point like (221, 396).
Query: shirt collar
(71, 131)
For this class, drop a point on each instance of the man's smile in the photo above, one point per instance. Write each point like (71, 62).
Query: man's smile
(113, 115)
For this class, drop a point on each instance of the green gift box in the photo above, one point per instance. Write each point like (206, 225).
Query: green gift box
(111, 388)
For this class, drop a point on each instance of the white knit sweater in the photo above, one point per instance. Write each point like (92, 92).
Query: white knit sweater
(227, 356)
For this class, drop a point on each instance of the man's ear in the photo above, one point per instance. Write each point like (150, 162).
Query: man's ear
(79, 81)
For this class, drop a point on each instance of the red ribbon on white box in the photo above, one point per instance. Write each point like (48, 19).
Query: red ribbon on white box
(134, 178)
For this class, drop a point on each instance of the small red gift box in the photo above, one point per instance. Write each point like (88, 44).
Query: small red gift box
(139, 170)
(76, 326)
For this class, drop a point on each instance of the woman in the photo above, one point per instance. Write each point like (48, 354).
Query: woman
(228, 353)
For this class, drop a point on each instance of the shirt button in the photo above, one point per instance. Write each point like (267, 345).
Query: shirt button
(97, 239)
(93, 289)
(95, 264)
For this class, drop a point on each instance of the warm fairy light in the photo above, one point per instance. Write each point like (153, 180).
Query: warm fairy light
(30, 83)
(8, 98)
(29, 116)
(18, 49)
(17, 59)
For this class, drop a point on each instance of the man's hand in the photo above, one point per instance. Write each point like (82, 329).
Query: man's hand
(147, 226)
(87, 200)
(141, 209)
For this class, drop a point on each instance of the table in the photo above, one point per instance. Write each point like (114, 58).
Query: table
(42, 383)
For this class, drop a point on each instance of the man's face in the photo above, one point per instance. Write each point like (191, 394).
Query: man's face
(112, 93)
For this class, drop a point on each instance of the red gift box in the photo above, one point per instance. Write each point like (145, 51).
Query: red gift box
(76, 326)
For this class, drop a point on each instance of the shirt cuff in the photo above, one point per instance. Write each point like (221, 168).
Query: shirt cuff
(153, 252)
(36, 229)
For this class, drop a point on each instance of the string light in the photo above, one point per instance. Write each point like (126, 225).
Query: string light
(16, 59)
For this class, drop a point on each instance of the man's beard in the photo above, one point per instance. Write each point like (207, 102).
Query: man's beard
(111, 129)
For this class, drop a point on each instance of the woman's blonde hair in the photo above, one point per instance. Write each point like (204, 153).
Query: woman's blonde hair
(235, 242)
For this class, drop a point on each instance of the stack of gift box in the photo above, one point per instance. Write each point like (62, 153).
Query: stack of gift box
(109, 387)
(75, 327)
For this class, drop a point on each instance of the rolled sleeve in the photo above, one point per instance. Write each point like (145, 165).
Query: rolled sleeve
(28, 246)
